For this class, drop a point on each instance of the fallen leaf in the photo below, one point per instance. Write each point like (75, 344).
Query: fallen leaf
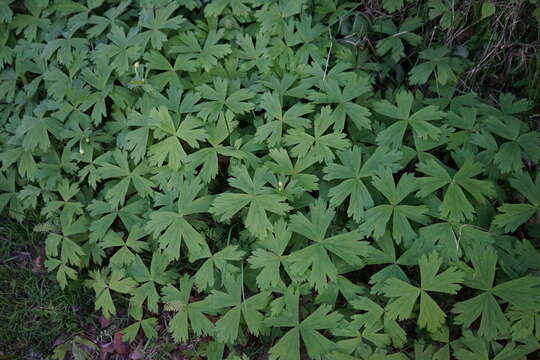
(104, 322)
(119, 346)
(38, 265)
(106, 351)
(136, 354)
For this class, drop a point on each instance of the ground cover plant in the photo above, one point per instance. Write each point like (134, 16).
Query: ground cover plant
(254, 179)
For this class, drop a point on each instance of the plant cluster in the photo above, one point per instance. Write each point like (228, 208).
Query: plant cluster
(313, 174)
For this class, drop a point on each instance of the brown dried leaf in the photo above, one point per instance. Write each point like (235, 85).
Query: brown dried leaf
(104, 322)
(119, 346)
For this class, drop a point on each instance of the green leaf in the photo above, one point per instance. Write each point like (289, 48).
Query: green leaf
(103, 284)
(418, 121)
(377, 218)
(189, 314)
(269, 258)
(239, 306)
(455, 206)
(205, 54)
(204, 277)
(405, 295)
(520, 292)
(320, 146)
(189, 131)
(314, 261)
(392, 5)
(221, 99)
(148, 279)
(514, 215)
(288, 346)
(272, 131)
(352, 171)
(345, 106)
(255, 194)
(488, 9)
(439, 64)
(172, 228)
(126, 176)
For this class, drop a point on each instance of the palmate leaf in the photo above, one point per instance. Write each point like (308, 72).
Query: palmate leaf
(169, 72)
(384, 252)
(455, 206)
(148, 278)
(272, 131)
(439, 64)
(6, 12)
(207, 158)
(394, 42)
(269, 258)
(147, 325)
(253, 53)
(308, 38)
(172, 228)
(308, 329)
(514, 215)
(204, 277)
(320, 146)
(29, 24)
(8, 198)
(99, 24)
(404, 295)
(205, 55)
(64, 250)
(418, 121)
(26, 164)
(158, 20)
(423, 351)
(64, 49)
(35, 131)
(238, 307)
(517, 144)
(288, 84)
(313, 262)
(343, 100)
(223, 98)
(102, 84)
(102, 284)
(342, 287)
(189, 131)
(67, 207)
(238, 7)
(521, 292)
(126, 176)
(473, 347)
(283, 165)
(125, 249)
(255, 194)
(377, 218)
(122, 120)
(122, 49)
(524, 322)
(449, 238)
(104, 215)
(273, 16)
(189, 313)
(351, 173)
(375, 324)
